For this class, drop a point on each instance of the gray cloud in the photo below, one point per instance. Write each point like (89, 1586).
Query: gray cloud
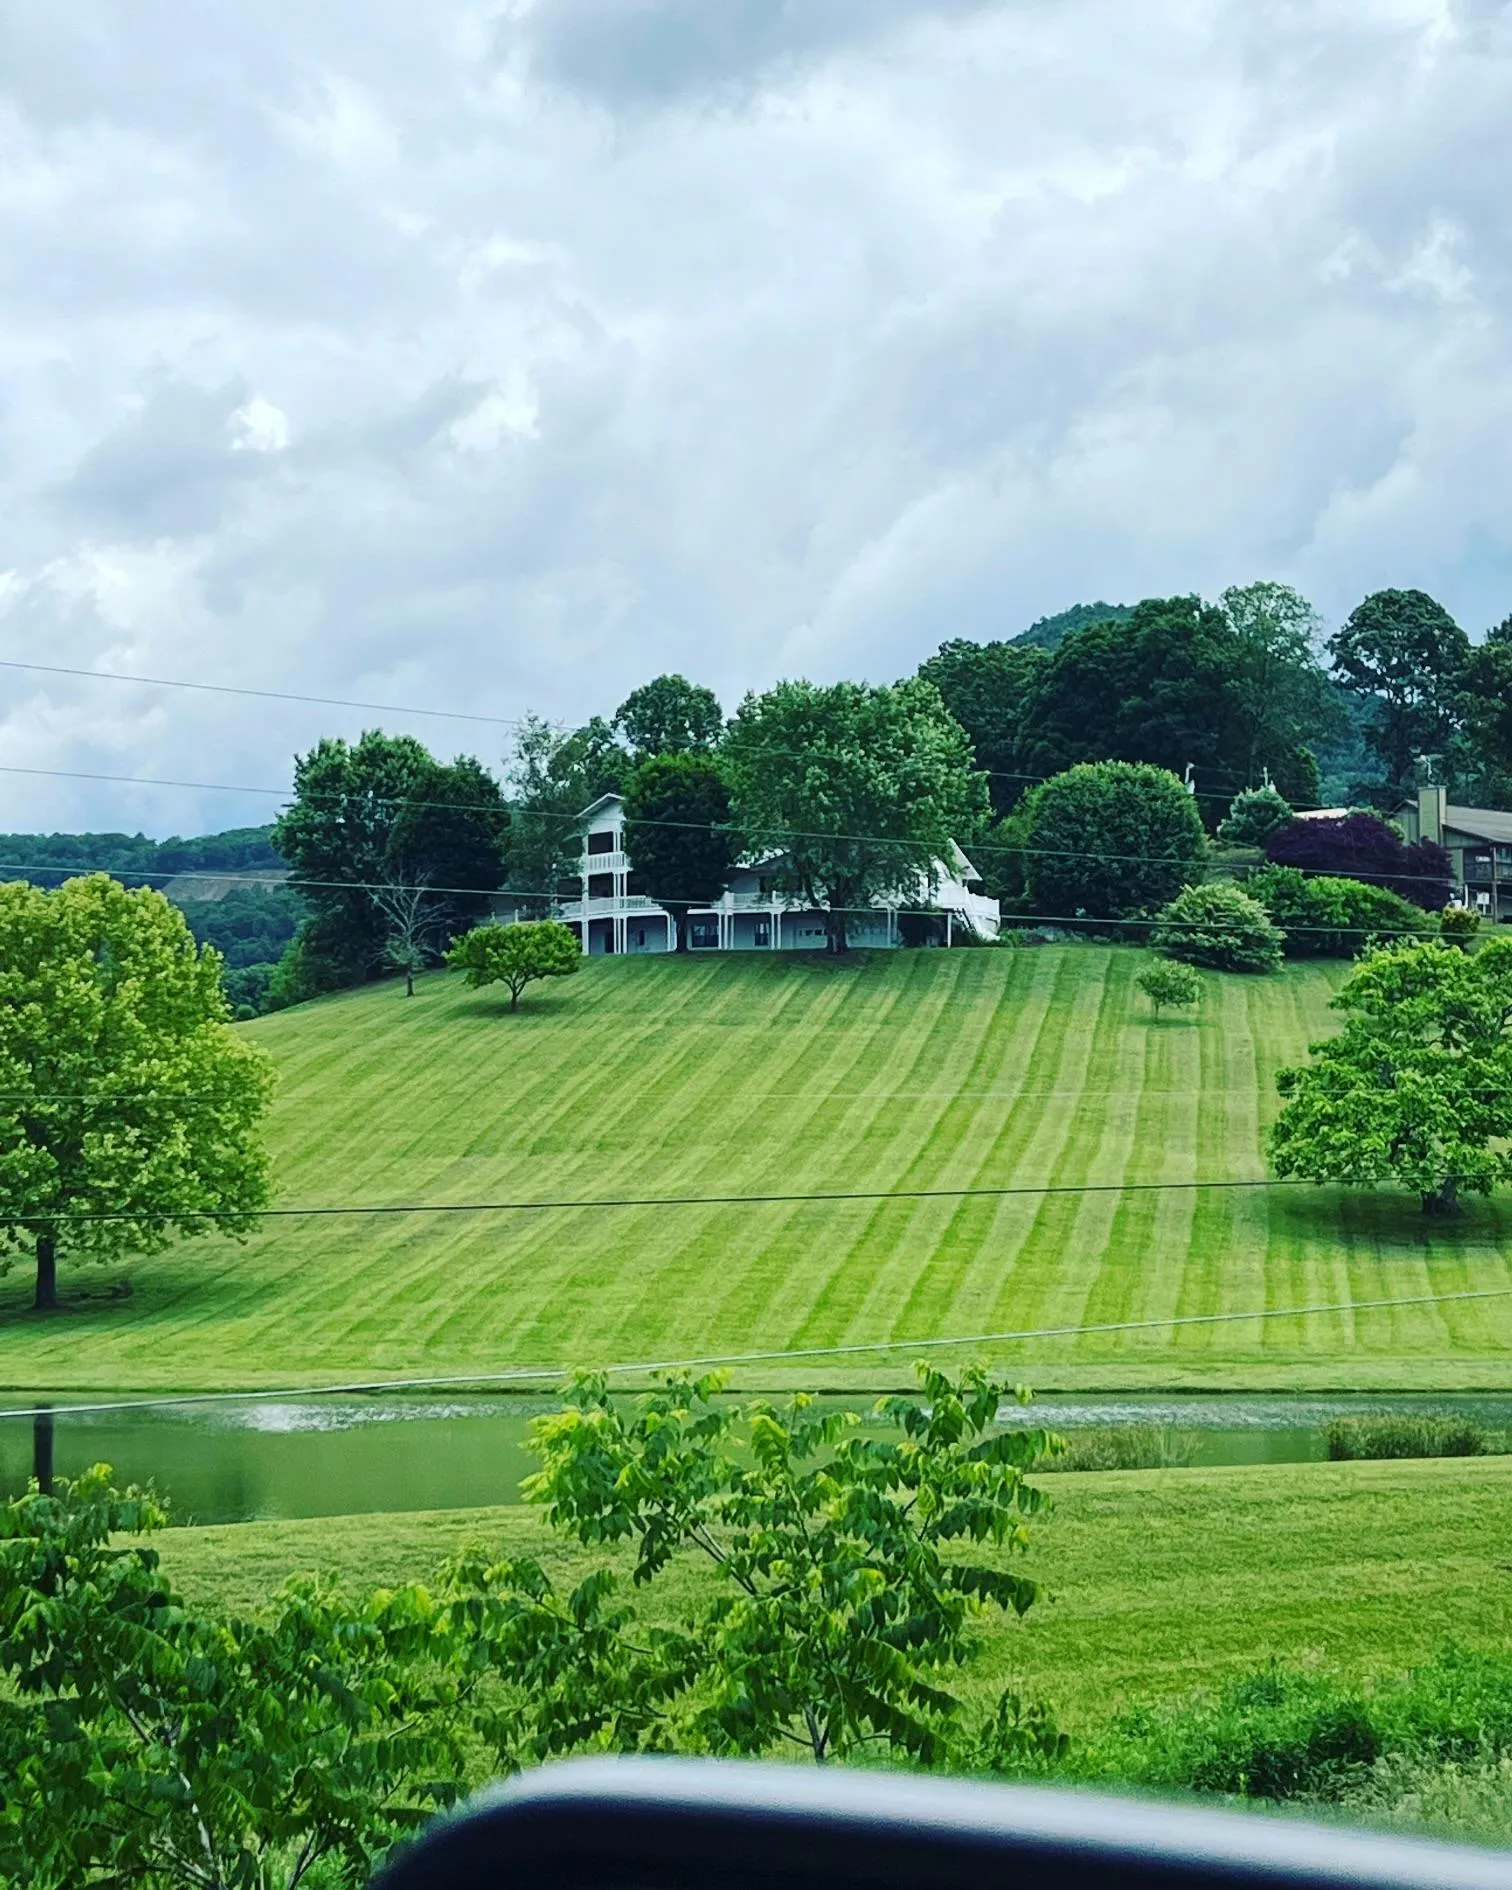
(504, 357)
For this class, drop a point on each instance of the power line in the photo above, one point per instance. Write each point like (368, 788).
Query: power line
(1040, 1189)
(1224, 776)
(538, 1374)
(262, 695)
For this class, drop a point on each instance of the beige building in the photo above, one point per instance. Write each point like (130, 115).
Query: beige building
(1478, 841)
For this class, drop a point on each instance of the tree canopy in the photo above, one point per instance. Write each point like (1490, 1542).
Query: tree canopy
(1165, 687)
(677, 833)
(669, 716)
(124, 1093)
(856, 791)
(516, 955)
(987, 688)
(1417, 1088)
(1109, 840)
(380, 813)
(1405, 656)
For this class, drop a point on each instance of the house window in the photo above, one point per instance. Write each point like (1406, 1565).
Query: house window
(703, 934)
(601, 885)
(763, 932)
(640, 936)
(601, 842)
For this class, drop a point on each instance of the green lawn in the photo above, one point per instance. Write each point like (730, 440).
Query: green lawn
(780, 1074)
(1165, 1581)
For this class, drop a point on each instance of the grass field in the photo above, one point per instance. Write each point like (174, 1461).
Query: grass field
(775, 1074)
(1166, 1582)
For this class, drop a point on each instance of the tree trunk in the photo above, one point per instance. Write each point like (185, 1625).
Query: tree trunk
(1443, 1203)
(409, 981)
(42, 1451)
(46, 1299)
(836, 941)
(680, 920)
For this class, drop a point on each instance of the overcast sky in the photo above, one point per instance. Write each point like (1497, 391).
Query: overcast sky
(497, 357)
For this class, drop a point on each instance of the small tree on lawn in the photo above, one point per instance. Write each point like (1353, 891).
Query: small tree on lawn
(1220, 927)
(677, 833)
(1167, 982)
(1254, 815)
(1458, 925)
(1417, 1088)
(516, 955)
(1111, 840)
(411, 924)
(124, 1092)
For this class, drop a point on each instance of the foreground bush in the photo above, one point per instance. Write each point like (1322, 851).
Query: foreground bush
(1327, 917)
(1285, 1736)
(1350, 1438)
(144, 1742)
(1254, 815)
(1166, 982)
(1220, 927)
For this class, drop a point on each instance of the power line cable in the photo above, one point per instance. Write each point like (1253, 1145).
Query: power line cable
(262, 695)
(88, 1217)
(538, 1374)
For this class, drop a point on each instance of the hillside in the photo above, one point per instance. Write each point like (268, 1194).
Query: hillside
(779, 1075)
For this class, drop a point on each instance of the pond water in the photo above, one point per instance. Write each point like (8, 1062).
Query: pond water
(339, 1456)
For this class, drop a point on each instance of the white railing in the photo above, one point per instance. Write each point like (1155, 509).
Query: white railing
(605, 863)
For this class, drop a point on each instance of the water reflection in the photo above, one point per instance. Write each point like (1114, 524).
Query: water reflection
(323, 1457)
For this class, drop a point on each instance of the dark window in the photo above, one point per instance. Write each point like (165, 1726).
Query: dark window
(703, 934)
(634, 885)
(601, 842)
(640, 935)
(601, 885)
(763, 932)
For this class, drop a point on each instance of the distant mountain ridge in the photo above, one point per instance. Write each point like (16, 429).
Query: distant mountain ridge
(47, 859)
(1048, 633)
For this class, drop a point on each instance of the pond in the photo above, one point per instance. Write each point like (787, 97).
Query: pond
(307, 1456)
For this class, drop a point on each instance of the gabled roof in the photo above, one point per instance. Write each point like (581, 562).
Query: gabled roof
(598, 806)
(1483, 823)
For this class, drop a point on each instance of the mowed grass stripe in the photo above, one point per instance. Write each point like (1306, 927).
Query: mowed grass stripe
(752, 1074)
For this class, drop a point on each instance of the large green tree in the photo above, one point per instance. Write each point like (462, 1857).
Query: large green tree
(1417, 1088)
(1109, 840)
(856, 791)
(669, 716)
(1166, 687)
(987, 688)
(678, 835)
(1485, 761)
(1405, 656)
(382, 813)
(1285, 701)
(129, 1109)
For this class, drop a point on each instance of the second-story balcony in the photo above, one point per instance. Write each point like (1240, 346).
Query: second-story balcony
(606, 863)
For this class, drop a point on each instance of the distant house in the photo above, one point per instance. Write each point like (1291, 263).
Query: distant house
(610, 914)
(1478, 841)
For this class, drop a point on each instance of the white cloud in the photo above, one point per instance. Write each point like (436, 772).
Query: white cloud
(503, 360)
(257, 426)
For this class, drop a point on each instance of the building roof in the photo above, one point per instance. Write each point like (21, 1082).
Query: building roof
(1482, 823)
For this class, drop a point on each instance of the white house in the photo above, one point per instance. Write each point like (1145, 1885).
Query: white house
(609, 917)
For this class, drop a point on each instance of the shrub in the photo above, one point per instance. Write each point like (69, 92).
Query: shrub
(1409, 1436)
(1166, 982)
(1364, 847)
(1110, 840)
(1122, 1447)
(1254, 815)
(1326, 917)
(1457, 926)
(1221, 927)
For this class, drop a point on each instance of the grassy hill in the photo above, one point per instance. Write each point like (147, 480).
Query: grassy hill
(776, 1075)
